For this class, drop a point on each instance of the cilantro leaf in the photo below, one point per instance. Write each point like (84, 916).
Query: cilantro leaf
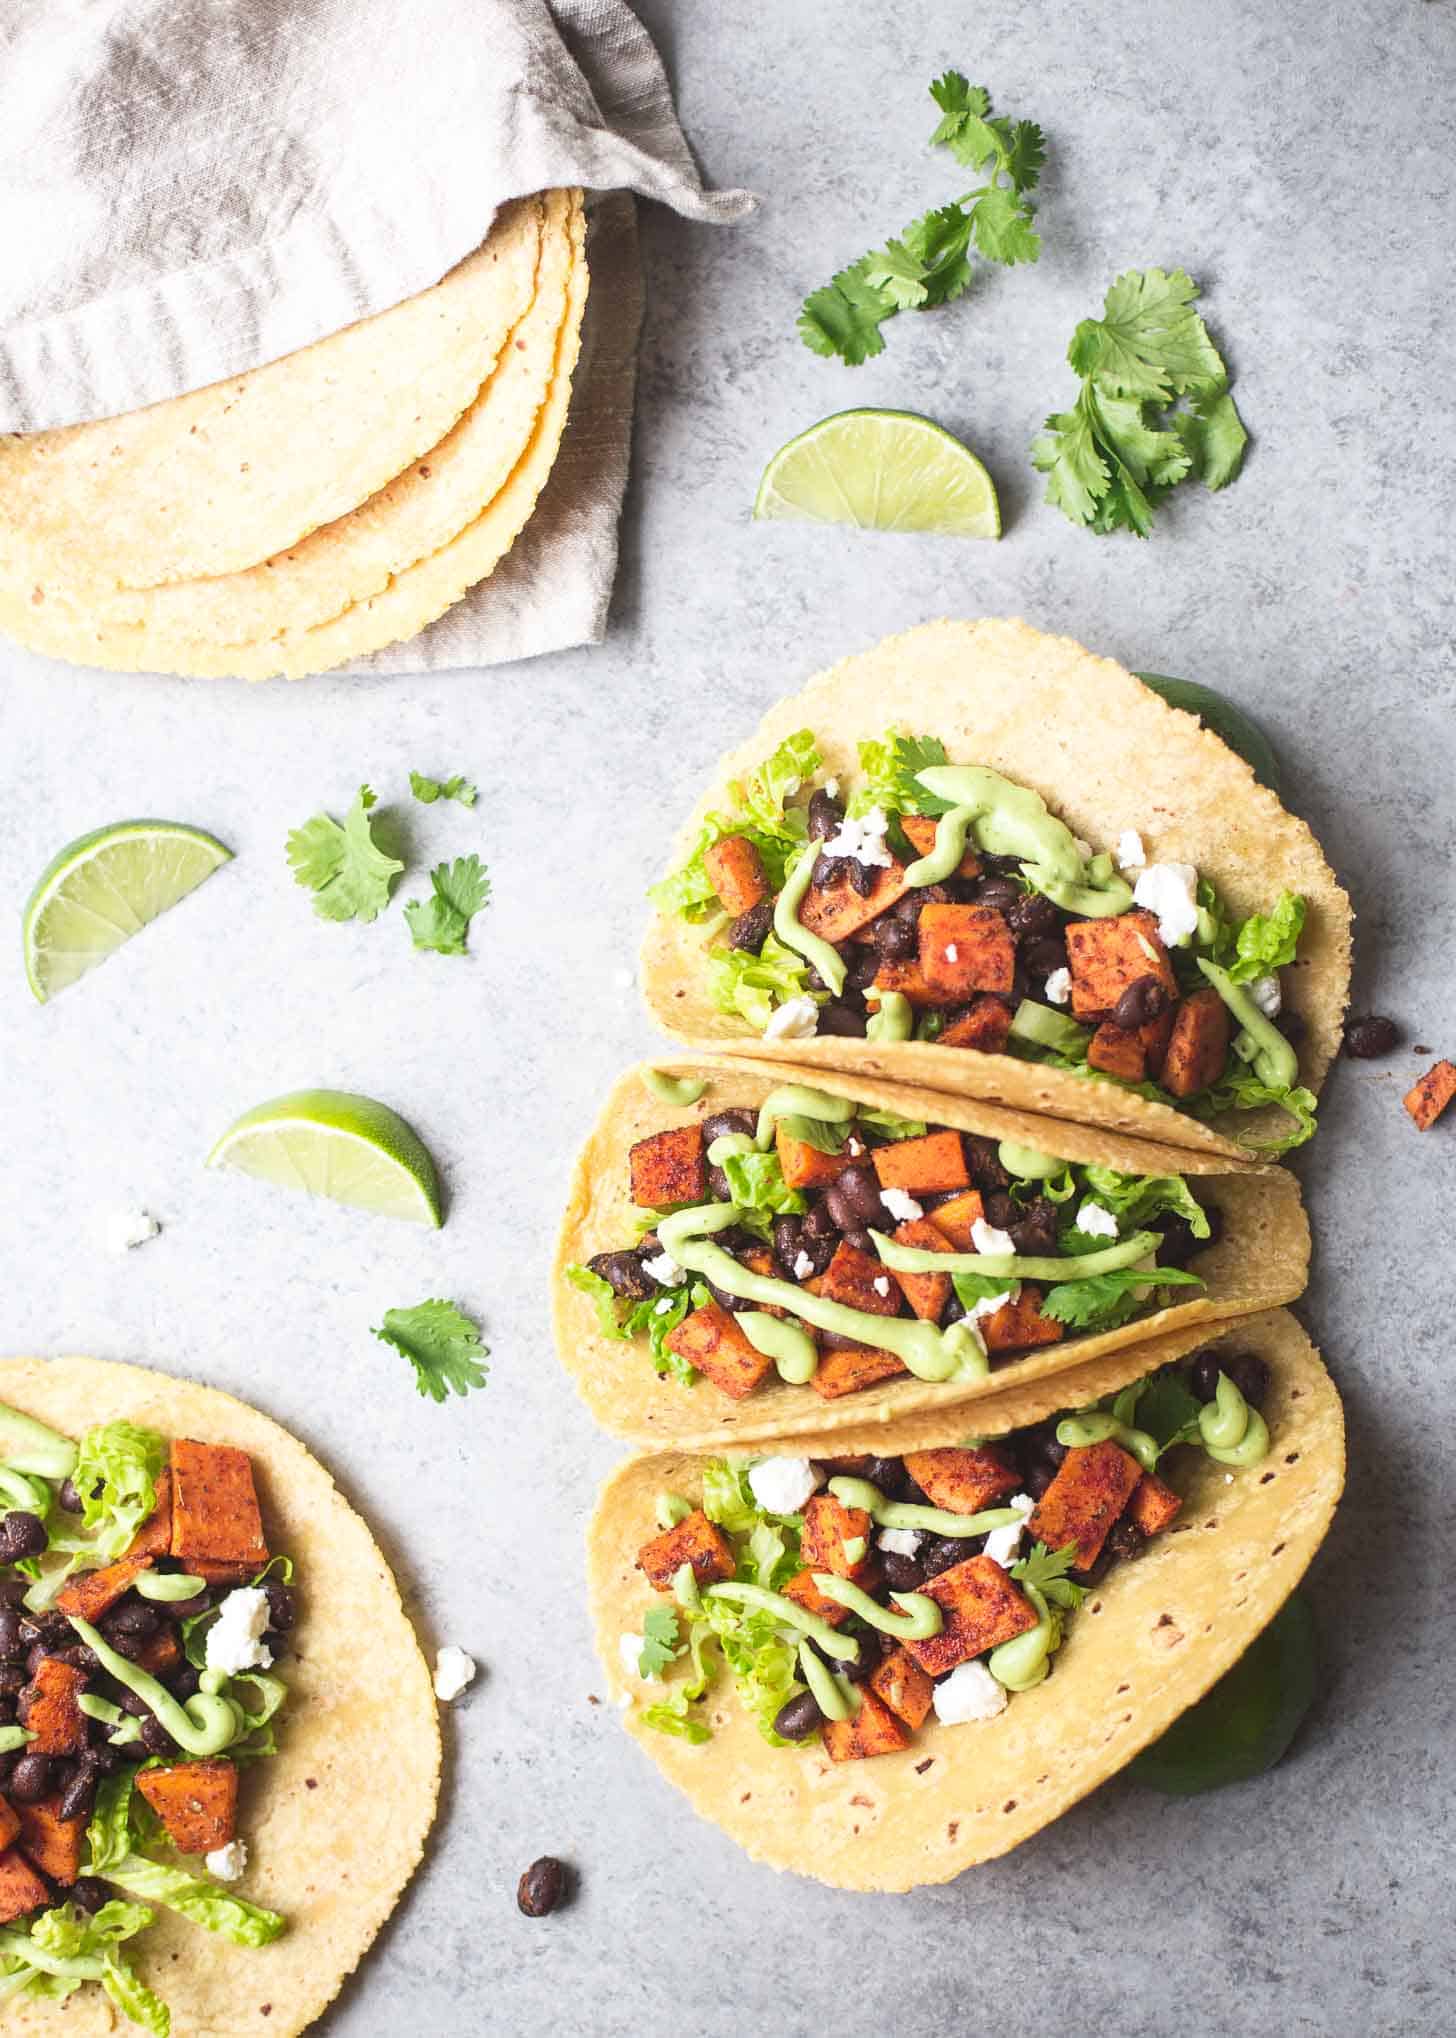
(845, 317)
(441, 1343)
(441, 922)
(1149, 342)
(1046, 1570)
(344, 867)
(1213, 433)
(1167, 1411)
(1001, 220)
(659, 1642)
(973, 1288)
(428, 790)
(1102, 1301)
(890, 766)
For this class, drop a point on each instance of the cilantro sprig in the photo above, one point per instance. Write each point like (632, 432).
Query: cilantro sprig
(428, 790)
(442, 921)
(1047, 1570)
(660, 1644)
(928, 263)
(442, 1344)
(342, 864)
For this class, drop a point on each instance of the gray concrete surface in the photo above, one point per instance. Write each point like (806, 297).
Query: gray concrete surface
(1298, 161)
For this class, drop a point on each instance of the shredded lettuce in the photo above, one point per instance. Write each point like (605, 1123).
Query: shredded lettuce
(66, 1947)
(758, 809)
(117, 1469)
(756, 1182)
(890, 1125)
(973, 1288)
(670, 1715)
(1268, 942)
(726, 1496)
(1135, 1200)
(754, 985)
(1239, 1090)
(889, 768)
(193, 1897)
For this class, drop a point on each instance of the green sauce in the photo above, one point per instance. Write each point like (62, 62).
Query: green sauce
(818, 954)
(1090, 902)
(669, 1509)
(29, 1446)
(844, 1648)
(921, 1617)
(1008, 819)
(25, 1491)
(1076, 1431)
(1023, 1662)
(679, 1090)
(685, 1588)
(800, 1100)
(1230, 1430)
(905, 1514)
(727, 1144)
(12, 1737)
(205, 1725)
(1028, 1161)
(911, 1259)
(830, 1694)
(1275, 1062)
(895, 1019)
(793, 1351)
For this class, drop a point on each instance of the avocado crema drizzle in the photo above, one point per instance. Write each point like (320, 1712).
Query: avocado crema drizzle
(1004, 820)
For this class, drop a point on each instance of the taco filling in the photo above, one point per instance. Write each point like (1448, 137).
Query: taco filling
(142, 1619)
(942, 902)
(864, 1602)
(830, 1243)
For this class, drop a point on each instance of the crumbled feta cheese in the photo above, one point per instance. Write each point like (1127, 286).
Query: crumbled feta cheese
(803, 1266)
(234, 1639)
(900, 1542)
(882, 1284)
(1170, 890)
(796, 1019)
(1130, 852)
(901, 1205)
(629, 1648)
(1096, 1221)
(227, 1863)
(987, 1238)
(831, 786)
(1058, 987)
(989, 1304)
(127, 1228)
(855, 1147)
(664, 1268)
(862, 840)
(1003, 1543)
(969, 1693)
(1268, 994)
(952, 953)
(453, 1671)
(664, 1307)
(782, 1485)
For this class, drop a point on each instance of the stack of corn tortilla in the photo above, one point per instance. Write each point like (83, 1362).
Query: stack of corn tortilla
(320, 507)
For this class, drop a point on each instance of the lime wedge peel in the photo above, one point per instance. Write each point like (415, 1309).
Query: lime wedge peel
(332, 1143)
(105, 887)
(880, 470)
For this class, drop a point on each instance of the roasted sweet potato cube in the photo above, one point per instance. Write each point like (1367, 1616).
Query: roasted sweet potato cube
(804, 1166)
(669, 1167)
(159, 1653)
(696, 1541)
(9, 1823)
(1117, 1052)
(50, 1843)
(90, 1595)
(982, 1608)
(920, 832)
(874, 1730)
(927, 1294)
(955, 1219)
(736, 873)
(214, 1573)
(1093, 1485)
(1431, 1094)
(852, 1368)
(857, 1280)
(1155, 1037)
(710, 1339)
(1198, 1044)
(829, 1527)
(1153, 1504)
(804, 1592)
(1105, 956)
(908, 979)
(964, 1480)
(964, 949)
(215, 1504)
(197, 1802)
(836, 910)
(985, 1025)
(1020, 1324)
(21, 1889)
(904, 1687)
(923, 1166)
(154, 1537)
(47, 1705)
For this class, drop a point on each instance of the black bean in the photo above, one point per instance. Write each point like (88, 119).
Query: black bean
(895, 940)
(799, 1718)
(200, 1602)
(12, 1649)
(859, 1186)
(1002, 1210)
(542, 1887)
(70, 1496)
(1145, 999)
(106, 1758)
(888, 1474)
(184, 1681)
(38, 1653)
(21, 1535)
(860, 1240)
(819, 1225)
(1030, 915)
(48, 1626)
(902, 1574)
(13, 1590)
(155, 1738)
(1374, 1035)
(787, 1244)
(1000, 892)
(1042, 956)
(861, 876)
(825, 815)
(724, 1123)
(1039, 1476)
(984, 1163)
(1293, 1025)
(130, 1703)
(1035, 1231)
(840, 1019)
(78, 1656)
(131, 1617)
(1124, 1539)
(1249, 1373)
(7, 1710)
(14, 1677)
(915, 1494)
(751, 929)
(30, 1779)
(624, 1274)
(938, 1556)
(907, 910)
(89, 1893)
(78, 1792)
(862, 967)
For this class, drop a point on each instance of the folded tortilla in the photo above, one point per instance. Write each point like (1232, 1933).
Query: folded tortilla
(335, 1823)
(1261, 1260)
(1148, 1643)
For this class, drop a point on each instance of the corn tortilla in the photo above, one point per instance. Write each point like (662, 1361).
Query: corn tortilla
(1262, 1260)
(1106, 753)
(335, 1823)
(226, 476)
(1148, 1643)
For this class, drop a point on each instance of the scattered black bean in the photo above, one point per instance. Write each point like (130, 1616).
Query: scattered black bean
(30, 1779)
(89, 1893)
(542, 1887)
(862, 876)
(858, 1187)
(862, 966)
(984, 1163)
(1366, 1038)
(1002, 1210)
(724, 1123)
(1031, 914)
(825, 815)
(751, 929)
(200, 1602)
(45, 1627)
(799, 1718)
(13, 1677)
(1293, 1025)
(1144, 1000)
(281, 1609)
(38, 1653)
(860, 1240)
(185, 1681)
(13, 1590)
(21, 1535)
(1039, 1476)
(1249, 1373)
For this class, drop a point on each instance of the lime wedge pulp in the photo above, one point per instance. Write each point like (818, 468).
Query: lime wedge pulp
(335, 1144)
(105, 887)
(884, 470)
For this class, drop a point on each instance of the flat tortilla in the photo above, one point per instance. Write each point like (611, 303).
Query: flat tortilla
(1106, 754)
(219, 479)
(1262, 1260)
(1147, 1645)
(335, 1823)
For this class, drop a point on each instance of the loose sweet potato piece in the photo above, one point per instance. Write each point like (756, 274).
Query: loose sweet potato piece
(964, 949)
(852, 1368)
(50, 1843)
(1153, 1504)
(983, 1608)
(21, 1889)
(1105, 956)
(904, 1688)
(804, 1592)
(47, 1705)
(955, 1218)
(836, 910)
(1198, 1044)
(735, 871)
(857, 1280)
(1092, 1487)
(196, 1801)
(908, 979)
(920, 831)
(696, 1541)
(964, 1480)
(9, 1823)
(1431, 1094)
(93, 1592)
(804, 1167)
(159, 1653)
(1020, 1324)
(923, 1166)
(1117, 1052)
(828, 1526)
(215, 1504)
(927, 1294)
(710, 1339)
(874, 1730)
(985, 1025)
(154, 1537)
(669, 1167)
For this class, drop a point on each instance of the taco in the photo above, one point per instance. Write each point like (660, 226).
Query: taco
(879, 1660)
(206, 1675)
(986, 861)
(749, 1251)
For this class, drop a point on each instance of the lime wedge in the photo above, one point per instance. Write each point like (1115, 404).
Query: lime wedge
(105, 887)
(338, 1145)
(884, 470)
